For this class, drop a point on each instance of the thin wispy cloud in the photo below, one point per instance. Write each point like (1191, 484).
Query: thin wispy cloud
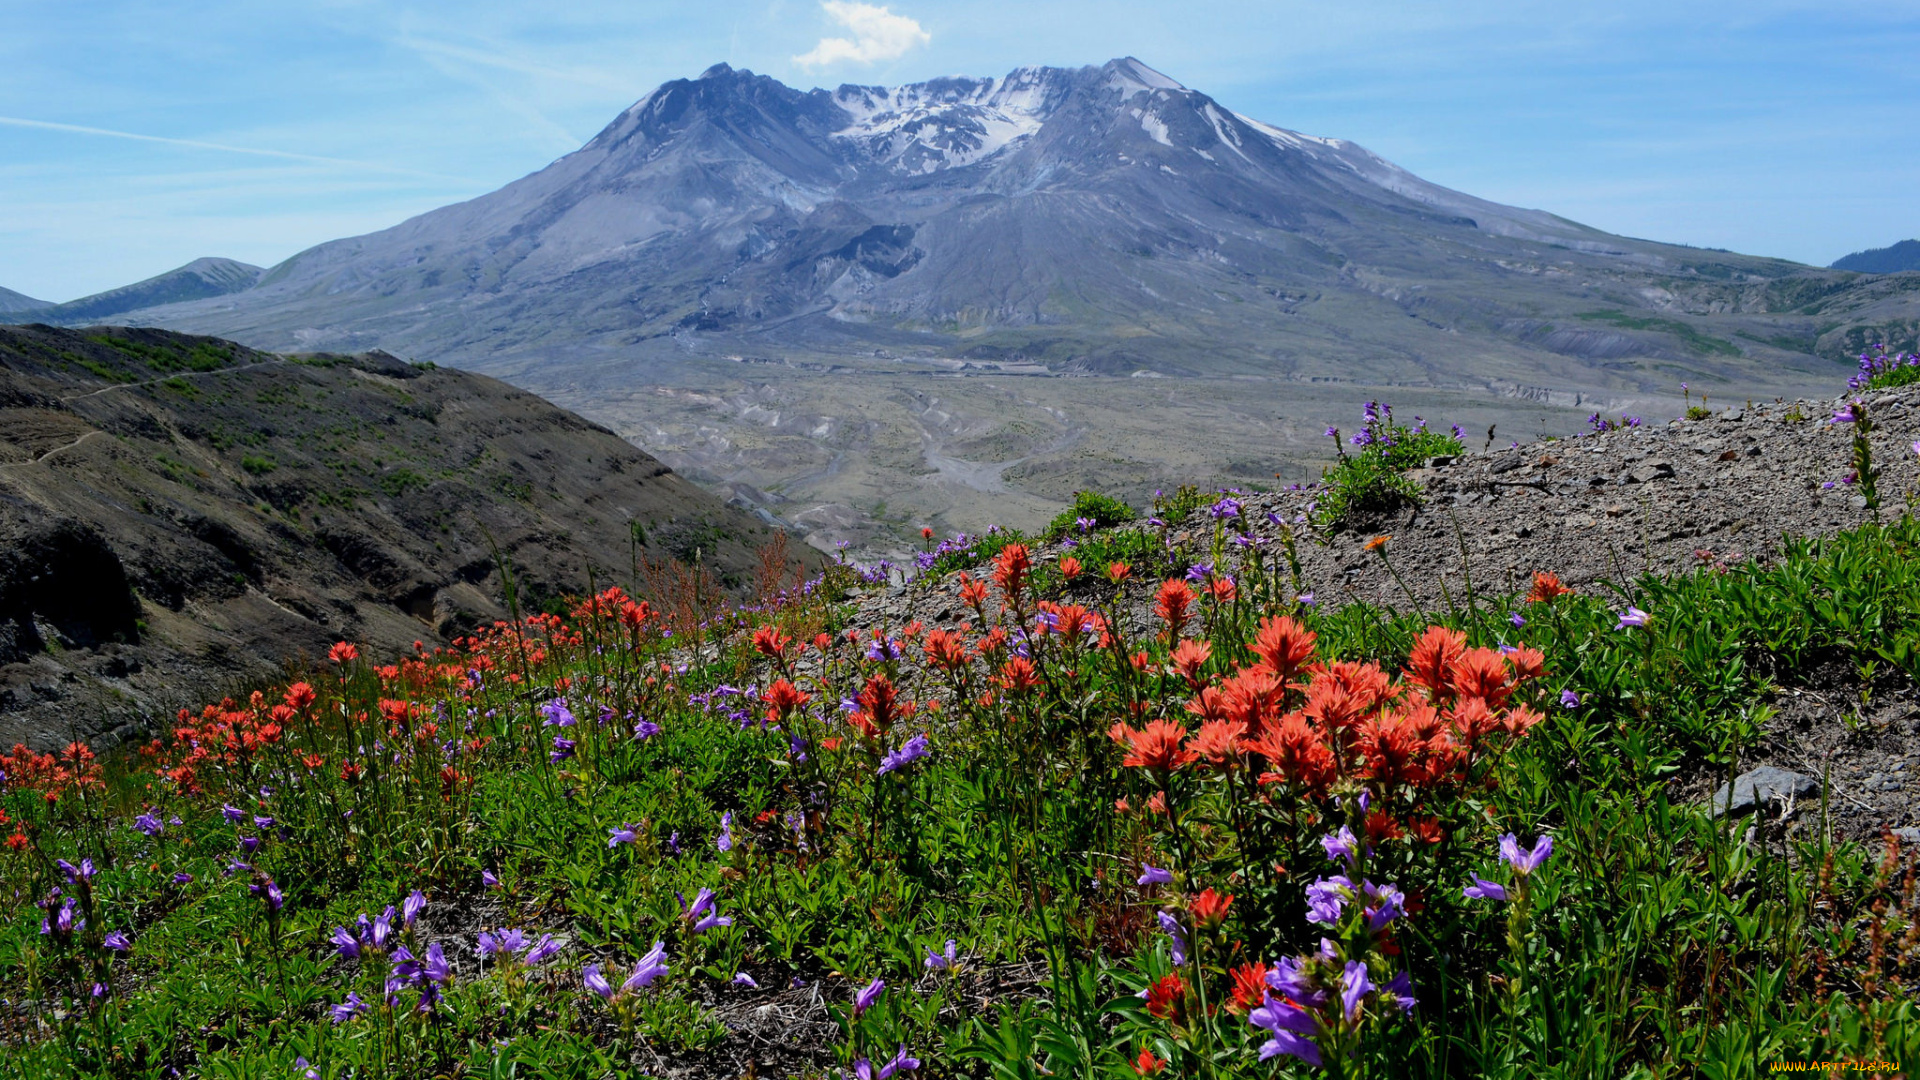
(878, 34)
(196, 144)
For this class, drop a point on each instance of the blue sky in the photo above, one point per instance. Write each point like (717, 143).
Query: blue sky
(264, 127)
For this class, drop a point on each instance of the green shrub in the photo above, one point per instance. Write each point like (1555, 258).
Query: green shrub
(1102, 511)
(1373, 479)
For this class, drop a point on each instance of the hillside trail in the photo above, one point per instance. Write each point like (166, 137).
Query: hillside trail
(44, 457)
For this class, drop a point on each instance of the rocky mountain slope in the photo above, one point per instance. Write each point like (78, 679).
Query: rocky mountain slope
(198, 280)
(1103, 219)
(11, 301)
(179, 513)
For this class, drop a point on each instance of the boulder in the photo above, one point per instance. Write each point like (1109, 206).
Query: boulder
(1758, 785)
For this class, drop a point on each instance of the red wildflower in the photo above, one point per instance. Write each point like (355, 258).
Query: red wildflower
(1189, 657)
(1210, 908)
(1545, 587)
(880, 706)
(782, 698)
(313, 761)
(1157, 747)
(973, 594)
(1118, 572)
(1527, 662)
(926, 532)
(1019, 675)
(1253, 698)
(1249, 987)
(1297, 754)
(1164, 998)
(1223, 590)
(946, 649)
(17, 842)
(1146, 1064)
(633, 616)
(342, 653)
(1176, 596)
(1284, 646)
(1519, 720)
(1482, 673)
(1218, 741)
(1069, 567)
(1427, 830)
(1381, 827)
(769, 642)
(1010, 569)
(1430, 667)
(1208, 704)
(299, 696)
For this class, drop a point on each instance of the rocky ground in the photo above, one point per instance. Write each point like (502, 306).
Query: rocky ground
(1601, 509)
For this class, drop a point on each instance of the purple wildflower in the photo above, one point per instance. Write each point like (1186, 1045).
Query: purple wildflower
(1482, 889)
(1569, 699)
(348, 1009)
(117, 941)
(1341, 846)
(725, 840)
(648, 968)
(1292, 1028)
(625, 834)
(868, 994)
(1525, 862)
(596, 982)
(411, 907)
(741, 978)
(1176, 937)
(543, 950)
(1154, 875)
(943, 961)
(912, 750)
(1354, 986)
(1633, 617)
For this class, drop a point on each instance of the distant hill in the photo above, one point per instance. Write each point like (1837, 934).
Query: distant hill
(177, 513)
(1904, 255)
(200, 279)
(16, 303)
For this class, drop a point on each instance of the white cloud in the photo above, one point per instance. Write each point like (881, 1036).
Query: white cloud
(878, 34)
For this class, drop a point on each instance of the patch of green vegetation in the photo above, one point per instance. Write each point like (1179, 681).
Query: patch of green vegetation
(203, 357)
(1373, 480)
(1090, 510)
(182, 387)
(258, 465)
(399, 481)
(177, 471)
(1692, 339)
(1176, 508)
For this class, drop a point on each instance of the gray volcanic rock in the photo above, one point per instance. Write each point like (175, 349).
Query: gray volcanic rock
(1099, 220)
(1756, 786)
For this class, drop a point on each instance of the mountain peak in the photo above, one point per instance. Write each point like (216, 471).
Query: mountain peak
(1129, 73)
(717, 71)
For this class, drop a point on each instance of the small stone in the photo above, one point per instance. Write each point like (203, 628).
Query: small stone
(1616, 510)
(1757, 785)
(1908, 834)
(1650, 471)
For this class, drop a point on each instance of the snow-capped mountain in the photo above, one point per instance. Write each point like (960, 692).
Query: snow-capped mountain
(1101, 218)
